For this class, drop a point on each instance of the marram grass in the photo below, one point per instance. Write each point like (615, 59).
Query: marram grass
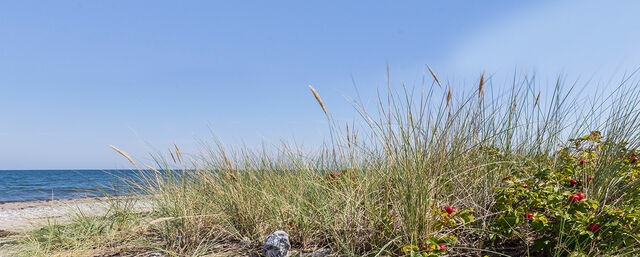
(381, 184)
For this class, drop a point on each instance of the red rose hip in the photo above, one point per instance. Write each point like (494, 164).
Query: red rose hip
(448, 209)
(580, 196)
(573, 182)
(574, 198)
(593, 227)
(528, 215)
(443, 247)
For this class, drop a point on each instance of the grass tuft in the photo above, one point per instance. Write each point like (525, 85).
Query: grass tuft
(382, 185)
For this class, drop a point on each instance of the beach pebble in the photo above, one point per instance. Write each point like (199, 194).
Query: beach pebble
(276, 245)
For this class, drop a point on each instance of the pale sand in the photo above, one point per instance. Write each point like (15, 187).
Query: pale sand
(24, 216)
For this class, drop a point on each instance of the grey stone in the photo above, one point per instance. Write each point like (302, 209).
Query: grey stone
(277, 245)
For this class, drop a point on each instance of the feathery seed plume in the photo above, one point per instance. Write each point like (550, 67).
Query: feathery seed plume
(434, 76)
(315, 94)
(125, 156)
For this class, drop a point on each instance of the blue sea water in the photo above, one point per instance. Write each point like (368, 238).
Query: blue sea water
(30, 185)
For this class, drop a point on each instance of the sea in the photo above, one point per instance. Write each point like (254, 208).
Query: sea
(32, 185)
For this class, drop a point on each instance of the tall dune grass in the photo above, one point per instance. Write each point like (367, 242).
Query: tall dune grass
(378, 184)
(381, 181)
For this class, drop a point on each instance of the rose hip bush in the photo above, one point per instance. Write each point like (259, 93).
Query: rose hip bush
(552, 208)
(446, 217)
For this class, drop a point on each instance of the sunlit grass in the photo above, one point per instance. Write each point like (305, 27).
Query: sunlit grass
(379, 184)
(120, 229)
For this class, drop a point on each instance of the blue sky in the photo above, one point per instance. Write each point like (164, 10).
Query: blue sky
(78, 76)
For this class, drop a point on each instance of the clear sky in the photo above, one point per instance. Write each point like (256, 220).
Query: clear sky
(78, 76)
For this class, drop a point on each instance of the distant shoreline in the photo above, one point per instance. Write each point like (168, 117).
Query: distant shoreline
(51, 200)
(87, 198)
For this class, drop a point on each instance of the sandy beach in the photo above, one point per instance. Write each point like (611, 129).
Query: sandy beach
(23, 216)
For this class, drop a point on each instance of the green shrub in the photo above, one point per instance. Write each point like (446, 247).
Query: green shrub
(551, 208)
(445, 218)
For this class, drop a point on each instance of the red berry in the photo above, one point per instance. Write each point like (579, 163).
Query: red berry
(583, 162)
(593, 227)
(525, 186)
(634, 159)
(353, 177)
(336, 174)
(580, 196)
(573, 182)
(443, 247)
(528, 215)
(574, 198)
(292, 225)
(448, 209)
